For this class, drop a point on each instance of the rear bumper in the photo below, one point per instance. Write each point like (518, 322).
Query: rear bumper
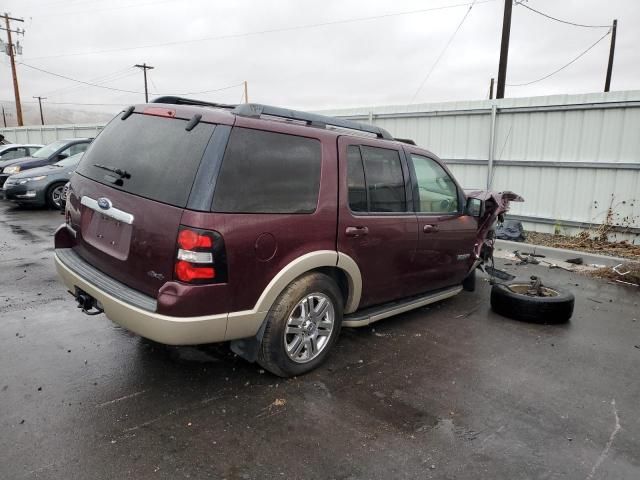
(146, 323)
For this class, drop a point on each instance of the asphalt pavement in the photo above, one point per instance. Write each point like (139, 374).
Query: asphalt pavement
(450, 391)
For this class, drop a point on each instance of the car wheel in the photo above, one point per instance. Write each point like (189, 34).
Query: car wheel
(517, 300)
(54, 196)
(302, 326)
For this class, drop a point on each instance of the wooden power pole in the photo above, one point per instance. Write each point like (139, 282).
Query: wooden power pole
(612, 49)
(11, 52)
(504, 48)
(40, 104)
(491, 88)
(144, 68)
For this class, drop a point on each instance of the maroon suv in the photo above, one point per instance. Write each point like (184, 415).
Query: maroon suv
(190, 223)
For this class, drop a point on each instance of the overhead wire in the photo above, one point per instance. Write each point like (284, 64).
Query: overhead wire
(561, 68)
(123, 90)
(263, 32)
(433, 66)
(559, 20)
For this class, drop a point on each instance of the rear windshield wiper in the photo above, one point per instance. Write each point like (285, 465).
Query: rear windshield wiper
(118, 171)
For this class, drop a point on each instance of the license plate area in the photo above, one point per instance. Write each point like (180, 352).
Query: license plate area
(108, 235)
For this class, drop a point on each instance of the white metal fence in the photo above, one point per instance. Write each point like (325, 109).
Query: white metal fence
(572, 157)
(49, 133)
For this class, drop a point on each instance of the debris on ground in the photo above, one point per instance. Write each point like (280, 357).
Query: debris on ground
(525, 258)
(584, 242)
(279, 402)
(575, 261)
(623, 273)
(510, 230)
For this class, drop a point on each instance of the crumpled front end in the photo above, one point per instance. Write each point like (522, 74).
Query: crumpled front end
(496, 204)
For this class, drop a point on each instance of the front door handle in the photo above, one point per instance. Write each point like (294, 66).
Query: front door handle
(356, 231)
(430, 228)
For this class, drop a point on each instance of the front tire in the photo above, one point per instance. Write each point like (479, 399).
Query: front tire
(303, 324)
(54, 196)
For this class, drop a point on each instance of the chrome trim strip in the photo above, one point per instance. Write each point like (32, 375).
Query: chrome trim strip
(112, 212)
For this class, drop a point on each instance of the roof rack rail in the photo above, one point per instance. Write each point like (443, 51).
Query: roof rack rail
(173, 100)
(256, 110)
(408, 141)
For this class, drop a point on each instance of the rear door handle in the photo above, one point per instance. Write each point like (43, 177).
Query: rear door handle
(356, 231)
(430, 228)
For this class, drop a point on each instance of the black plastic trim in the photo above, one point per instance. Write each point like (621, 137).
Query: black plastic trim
(95, 277)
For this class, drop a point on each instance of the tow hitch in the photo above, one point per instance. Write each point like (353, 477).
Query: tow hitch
(87, 303)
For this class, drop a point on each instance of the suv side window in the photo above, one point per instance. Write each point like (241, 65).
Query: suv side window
(13, 153)
(356, 185)
(384, 180)
(267, 172)
(437, 192)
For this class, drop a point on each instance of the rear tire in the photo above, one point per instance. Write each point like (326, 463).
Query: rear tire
(546, 310)
(306, 316)
(53, 195)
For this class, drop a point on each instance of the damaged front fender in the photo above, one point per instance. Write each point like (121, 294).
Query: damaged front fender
(496, 204)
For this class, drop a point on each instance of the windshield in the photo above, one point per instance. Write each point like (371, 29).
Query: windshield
(70, 161)
(45, 152)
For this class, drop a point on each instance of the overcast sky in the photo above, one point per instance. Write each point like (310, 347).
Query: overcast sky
(210, 44)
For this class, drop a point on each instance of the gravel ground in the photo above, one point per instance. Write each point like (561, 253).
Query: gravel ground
(619, 249)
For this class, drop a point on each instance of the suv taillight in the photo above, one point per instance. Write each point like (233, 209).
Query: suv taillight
(200, 257)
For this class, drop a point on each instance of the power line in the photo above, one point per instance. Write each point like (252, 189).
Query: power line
(264, 32)
(561, 68)
(424, 80)
(100, 80)
(122, 90)
(559, 20)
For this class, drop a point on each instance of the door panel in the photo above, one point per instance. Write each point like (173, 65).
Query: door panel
(446, 236)
(383, 244)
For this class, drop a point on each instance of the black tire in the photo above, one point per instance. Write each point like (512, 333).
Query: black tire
(469, 283)
(272, 355)
(49, 196)
(546, 310)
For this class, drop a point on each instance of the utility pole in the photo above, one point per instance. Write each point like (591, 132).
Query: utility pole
(612, 49)
(144, 68)
(246, 92)
(491, 89)
(11, 54)
(504, 48)
(4, 117)
(40, 103)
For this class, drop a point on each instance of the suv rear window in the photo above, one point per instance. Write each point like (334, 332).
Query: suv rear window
(266, 172)
(161, 156)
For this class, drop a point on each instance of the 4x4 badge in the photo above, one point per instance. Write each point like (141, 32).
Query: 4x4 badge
(157, 276)
(104, 203)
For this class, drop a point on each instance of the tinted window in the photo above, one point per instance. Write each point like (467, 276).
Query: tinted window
(266, 172)
(437, 193)
(13, 153)
(161, 156)
(385, 182)
(355, 180)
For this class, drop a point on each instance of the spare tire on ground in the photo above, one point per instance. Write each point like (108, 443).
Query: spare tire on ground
(532, 302)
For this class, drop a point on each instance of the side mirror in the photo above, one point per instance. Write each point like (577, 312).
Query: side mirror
(474, 207)
(61, 156)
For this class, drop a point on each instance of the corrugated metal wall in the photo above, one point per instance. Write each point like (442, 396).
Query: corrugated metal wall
(570, 156)
(49, 133)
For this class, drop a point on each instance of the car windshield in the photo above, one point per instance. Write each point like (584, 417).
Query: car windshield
(45, 152)
(69, 161)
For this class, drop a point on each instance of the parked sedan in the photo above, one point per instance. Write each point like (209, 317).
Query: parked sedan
(12, 151)
(52, 153)
(41, 186)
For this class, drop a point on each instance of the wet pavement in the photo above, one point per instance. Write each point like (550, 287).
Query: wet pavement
(449, 391)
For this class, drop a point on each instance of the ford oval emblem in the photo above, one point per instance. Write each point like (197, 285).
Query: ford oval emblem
(104, 203)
